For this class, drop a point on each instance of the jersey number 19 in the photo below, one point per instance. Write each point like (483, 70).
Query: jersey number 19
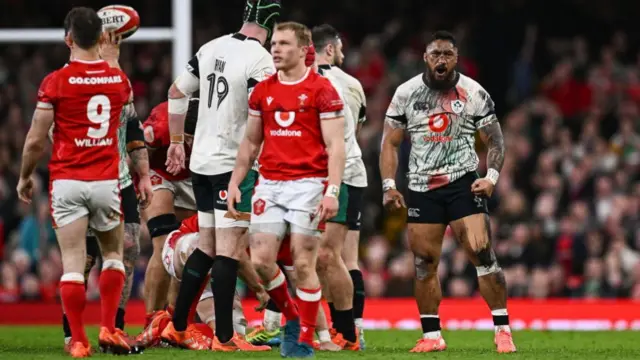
(219, 86)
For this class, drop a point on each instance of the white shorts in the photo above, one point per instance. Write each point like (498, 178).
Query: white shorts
(99, 200)
(181, 189)
(176, 245)
(292, 202)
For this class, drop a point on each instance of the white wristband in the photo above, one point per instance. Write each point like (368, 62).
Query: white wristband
(332, 191)
(178, 106)
(388, 184)
(492, 176)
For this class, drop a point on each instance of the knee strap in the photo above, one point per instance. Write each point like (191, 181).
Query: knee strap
(162, 225)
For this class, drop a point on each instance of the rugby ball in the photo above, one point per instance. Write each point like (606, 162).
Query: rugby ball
(123, 20)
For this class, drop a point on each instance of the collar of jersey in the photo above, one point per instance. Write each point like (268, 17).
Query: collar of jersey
(89, 62)
(306, 74)
(243, 37)
(324, 67)
(426, 83)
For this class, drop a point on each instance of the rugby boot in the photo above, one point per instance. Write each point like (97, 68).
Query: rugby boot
(237, 343)
(429, 345)
(504, 342)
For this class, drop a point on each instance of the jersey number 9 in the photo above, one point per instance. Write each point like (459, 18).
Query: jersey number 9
(99, 112)
(219, 86)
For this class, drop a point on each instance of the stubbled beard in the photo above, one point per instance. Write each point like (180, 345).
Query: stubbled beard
(447, 83)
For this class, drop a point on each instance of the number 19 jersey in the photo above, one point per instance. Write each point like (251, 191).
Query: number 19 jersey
(87, 98)
(228, 68)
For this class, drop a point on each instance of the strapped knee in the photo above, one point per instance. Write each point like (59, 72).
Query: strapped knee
(425, 266)
(162, 225)
(488, 262)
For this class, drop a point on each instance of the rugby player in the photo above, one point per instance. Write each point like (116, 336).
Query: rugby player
(338, 258)
(177, 248)
(84, 100)
(225, 70)
(442, 110)
(173, 201)
(296, 117)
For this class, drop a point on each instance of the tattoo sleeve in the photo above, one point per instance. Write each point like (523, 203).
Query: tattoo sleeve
(491, 135)
(140, 159)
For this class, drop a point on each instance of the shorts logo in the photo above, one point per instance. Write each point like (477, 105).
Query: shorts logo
(414, 212)
(113, 215)
(478, 201)
(258, 207)
(156, 180)
(223, 195)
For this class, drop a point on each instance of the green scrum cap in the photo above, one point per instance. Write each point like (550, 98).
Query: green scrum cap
(265, 13)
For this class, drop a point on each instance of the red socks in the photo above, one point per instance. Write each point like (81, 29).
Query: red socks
(74, 300)
(279, 293)
(194, 305)
(308, 304)
(111, 284)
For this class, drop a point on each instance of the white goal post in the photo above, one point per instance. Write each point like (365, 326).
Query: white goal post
(179, 35)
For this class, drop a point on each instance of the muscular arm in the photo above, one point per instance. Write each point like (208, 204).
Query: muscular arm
(185, 85)
(35, 141)
(249, 149)
(136, 147)
(392, 137)
(333, 136)
(491, 136)
(140, 161)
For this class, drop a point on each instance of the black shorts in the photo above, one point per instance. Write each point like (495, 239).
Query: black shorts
(130, 205)
(446, 204)
(210, 191)
(354, 207)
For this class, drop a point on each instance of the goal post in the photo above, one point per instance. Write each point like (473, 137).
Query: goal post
(179, 34)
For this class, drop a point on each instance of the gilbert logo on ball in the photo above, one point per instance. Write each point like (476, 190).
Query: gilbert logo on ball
(121, 19)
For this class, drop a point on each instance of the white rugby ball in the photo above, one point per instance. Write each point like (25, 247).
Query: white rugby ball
(123, 20)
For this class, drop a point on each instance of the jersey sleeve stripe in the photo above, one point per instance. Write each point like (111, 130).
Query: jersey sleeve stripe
(44, 105)
(487, 120)
(251, 83)
(399, 118)
(331, 115)
(193, 66)
(362, 114)
(255, 113)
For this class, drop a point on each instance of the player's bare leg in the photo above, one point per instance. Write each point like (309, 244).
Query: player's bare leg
(474, 231)
(332, 270)
(73, 249)
(130, 256)
(350, 257)
(324, 342)
(426, 244)
(112, 279)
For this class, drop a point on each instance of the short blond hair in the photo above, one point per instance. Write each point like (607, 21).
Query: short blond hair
(301, 31)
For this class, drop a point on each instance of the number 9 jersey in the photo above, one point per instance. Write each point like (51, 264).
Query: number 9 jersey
(87, 98)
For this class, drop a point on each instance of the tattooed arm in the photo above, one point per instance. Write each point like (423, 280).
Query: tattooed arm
(492, 137)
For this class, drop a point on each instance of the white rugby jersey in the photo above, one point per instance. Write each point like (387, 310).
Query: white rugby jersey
(350, 90)
(228, 68)
(442, 126)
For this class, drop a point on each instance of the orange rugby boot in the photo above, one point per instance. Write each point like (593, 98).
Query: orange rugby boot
(78, 350)
(115, 342)
(150, 336)
(190, 339)
(237, 343)
(504, 342)
(429, 345)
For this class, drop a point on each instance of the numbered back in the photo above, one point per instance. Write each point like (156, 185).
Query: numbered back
(87, 98)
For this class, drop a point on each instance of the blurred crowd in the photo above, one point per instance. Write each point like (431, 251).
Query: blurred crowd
(565, 215)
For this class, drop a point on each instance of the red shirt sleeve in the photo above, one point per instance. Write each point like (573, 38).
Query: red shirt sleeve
(255, 99)
(190, 225)
(328, 102)
(47, 92)
(156, 127)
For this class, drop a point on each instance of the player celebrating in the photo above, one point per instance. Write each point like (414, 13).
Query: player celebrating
(296, 116)
(84, 100)
(177, 248)
(345, 302)
(225, 70)
(173, 201)
(442, 109)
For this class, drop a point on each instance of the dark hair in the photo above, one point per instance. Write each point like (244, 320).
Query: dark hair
(85, 26)
(324, 35)
(443, 35)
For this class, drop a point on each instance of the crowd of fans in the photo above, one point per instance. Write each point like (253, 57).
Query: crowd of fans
(565, 216)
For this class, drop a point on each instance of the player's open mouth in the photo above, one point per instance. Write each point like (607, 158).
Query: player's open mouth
(441, 69)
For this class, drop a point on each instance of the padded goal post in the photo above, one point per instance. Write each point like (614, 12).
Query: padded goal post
(179, 35)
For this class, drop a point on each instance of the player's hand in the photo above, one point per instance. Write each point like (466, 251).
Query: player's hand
(328, 208)
(263, 300)
(175, 159)
(482, 187)
(25, 189)
(393, 200)
(234, 196)
(146, 191)
(110, 48)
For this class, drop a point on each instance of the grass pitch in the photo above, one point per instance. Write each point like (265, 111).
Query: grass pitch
(45, 342)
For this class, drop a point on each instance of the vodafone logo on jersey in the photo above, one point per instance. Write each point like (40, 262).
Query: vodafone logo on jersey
(285, 119)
